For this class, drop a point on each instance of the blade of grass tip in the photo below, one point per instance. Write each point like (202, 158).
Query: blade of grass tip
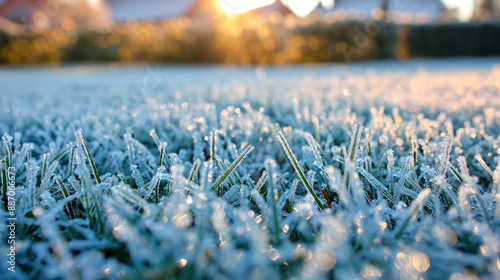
(484, 165)
(59, 155)
(260, 183)
(222, 177)
(314, 147)
(81, 140)
(413, 209)
(317, 128)
(122, 177)
(352, 151)
(162, 148)
(71, 145)
(154, 184)
(276, 228)
(444, 158)
(46, 181)
(291, 157)
(194, 170)
(45, 163)
(153, 135)
(343, 153)
(355, 139)
(455, 173)
(472, 165)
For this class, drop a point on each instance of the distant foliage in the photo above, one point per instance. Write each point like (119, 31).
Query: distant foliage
(376, 175)
(244, 39)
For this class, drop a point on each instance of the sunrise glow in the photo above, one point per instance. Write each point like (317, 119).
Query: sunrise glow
(232, 7)
(300, 7)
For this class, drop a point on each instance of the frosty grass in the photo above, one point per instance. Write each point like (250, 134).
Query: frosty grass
(380, 175)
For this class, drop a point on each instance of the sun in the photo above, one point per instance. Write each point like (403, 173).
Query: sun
(232, 7)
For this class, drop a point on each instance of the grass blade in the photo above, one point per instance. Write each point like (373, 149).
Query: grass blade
(59, 155)
(66, 195)
(376, 183)
(413, 210)
(276, 220)
(81, 140)
(293, 160)
(484, 165)
(194, 170)
(222, 177)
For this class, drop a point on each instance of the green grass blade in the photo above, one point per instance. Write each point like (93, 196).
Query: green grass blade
(222, 177)
(484, 165)
(60, 155)
(194, 170)
(355, 139)
(293, 160)
(66, 195)
(45, 163)
(3, 166)
(79, 138)
(162, 148)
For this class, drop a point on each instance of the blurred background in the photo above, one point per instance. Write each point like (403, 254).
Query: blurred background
(245, 32)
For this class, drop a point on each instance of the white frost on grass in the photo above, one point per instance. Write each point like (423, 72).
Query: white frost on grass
(376, 175)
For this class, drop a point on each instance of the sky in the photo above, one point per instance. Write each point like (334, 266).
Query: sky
(241, 6)
(465, 8)
(304, 7)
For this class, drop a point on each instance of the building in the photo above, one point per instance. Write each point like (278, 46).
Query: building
(486, 10)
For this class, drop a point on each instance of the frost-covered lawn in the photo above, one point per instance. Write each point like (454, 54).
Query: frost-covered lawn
(316, 172)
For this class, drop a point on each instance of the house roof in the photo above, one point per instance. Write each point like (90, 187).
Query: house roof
(7, 6)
